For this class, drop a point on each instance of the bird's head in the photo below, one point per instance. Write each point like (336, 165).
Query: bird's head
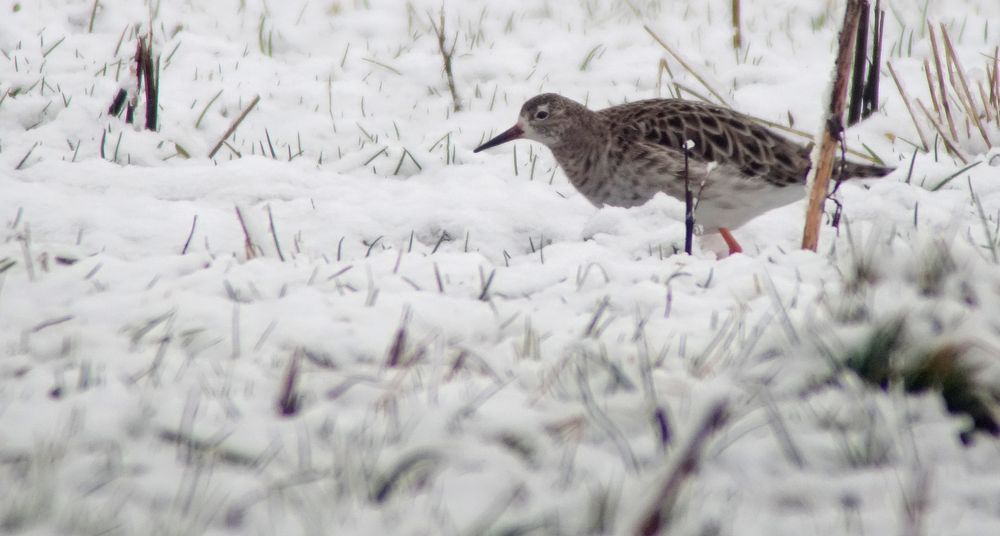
(547, 118)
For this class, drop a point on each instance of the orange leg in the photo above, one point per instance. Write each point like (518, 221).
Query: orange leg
(734, 246)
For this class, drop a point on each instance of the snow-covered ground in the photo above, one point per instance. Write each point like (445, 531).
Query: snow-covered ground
(475, 348)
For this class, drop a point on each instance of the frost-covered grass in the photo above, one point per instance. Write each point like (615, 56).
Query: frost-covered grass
(420, 340)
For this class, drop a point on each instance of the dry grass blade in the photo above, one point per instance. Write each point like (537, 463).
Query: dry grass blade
(909, 106)
(680, 89)
(394, 355)
(683, 63)
(809, 137)
(658, 516)
(953, 176)
(986, 102)
(250, 249)
(952, 149)
(385, 66)
(26, 155)
(663, 67)
(187, 243)
(737, 31)
(968, 101)
(995, 85)
(274, 233)
(93, 15)
(940, 79)
(916, 503)
(204, 110)
(767, 123)
(930, 88)
(289, 399)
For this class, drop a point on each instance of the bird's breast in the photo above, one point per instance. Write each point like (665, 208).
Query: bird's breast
(618, 186)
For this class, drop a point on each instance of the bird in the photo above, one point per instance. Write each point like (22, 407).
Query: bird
(623, 155)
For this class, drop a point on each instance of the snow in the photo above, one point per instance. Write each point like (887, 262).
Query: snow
(141, 371)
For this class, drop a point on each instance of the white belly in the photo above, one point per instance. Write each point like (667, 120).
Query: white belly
(730, 201)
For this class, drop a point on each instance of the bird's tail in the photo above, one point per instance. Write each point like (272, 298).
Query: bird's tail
(852, 170)
(861, 171)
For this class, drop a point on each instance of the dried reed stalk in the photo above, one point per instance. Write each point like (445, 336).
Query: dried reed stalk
(833, 126)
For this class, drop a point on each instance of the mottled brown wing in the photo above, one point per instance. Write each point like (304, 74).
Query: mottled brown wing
(719, 134)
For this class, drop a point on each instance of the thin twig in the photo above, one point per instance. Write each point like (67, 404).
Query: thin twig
(234, 125)
(446, 56)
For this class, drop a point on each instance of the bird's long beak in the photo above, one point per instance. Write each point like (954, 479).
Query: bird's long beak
(511, 133)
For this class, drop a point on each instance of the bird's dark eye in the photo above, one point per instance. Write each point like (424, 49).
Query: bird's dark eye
(541, 114)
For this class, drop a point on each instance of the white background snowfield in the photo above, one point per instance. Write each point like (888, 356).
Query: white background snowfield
(475, 349)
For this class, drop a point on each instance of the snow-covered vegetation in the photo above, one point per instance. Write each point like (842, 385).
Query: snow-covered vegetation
(345, 322)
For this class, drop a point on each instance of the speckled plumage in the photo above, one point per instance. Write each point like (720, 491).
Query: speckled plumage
(624, 155)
